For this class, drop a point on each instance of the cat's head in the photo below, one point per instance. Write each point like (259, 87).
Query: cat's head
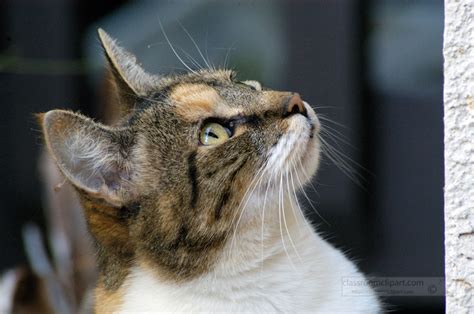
(165, 184)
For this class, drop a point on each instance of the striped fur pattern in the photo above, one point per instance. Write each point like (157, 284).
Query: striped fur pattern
(178, 225)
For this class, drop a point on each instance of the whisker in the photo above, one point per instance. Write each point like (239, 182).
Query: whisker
(324, 118)
(290, 195)
(227, 55)
(308, 178)
(280, 200)
(343, 162)
(190, 58)
(174, 50)
(285, 223)
(309, 200)
(242, 210)
(324, 107)
(205, 48)
(247, 192)
(337, 135)
(300, 209)
(195, 44)
(263, 222)
(347, 170)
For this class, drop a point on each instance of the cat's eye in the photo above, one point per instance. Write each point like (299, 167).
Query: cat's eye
(250, 86)
(214, 133)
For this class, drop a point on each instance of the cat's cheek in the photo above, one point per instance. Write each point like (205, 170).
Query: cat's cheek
(314, 119)
(311, 159)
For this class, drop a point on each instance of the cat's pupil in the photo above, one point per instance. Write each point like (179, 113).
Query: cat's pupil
(211, 134)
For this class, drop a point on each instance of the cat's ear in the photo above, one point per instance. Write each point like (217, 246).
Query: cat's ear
(129, 77)
(93, 157)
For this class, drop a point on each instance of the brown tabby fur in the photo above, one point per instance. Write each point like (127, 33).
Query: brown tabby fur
(152, 195)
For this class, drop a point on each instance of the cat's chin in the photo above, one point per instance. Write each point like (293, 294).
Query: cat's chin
(310, 158)
(308, 161)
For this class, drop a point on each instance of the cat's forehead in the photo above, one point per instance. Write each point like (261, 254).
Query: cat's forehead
(210, 77)
(212, 94)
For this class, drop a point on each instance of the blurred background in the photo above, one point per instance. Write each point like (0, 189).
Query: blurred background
(372, 70)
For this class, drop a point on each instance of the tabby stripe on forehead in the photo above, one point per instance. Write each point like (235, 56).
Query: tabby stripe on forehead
(192, 173)
(225, 196)
(142, 103)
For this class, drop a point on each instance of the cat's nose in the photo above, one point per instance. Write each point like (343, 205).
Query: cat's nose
(294, 105)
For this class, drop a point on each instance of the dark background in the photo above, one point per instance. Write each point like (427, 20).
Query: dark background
(372, 67)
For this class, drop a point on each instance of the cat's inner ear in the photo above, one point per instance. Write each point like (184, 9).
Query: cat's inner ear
(94, 158)
(129, 77)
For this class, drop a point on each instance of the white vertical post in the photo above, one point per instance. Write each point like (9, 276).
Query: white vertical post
(459, 154)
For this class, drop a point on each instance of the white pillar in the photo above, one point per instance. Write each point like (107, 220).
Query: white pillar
(459, 154)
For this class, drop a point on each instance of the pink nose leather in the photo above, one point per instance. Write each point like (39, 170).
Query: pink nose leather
(295, 105)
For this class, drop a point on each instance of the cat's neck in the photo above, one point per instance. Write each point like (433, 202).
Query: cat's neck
(279, 232)
(248, 266)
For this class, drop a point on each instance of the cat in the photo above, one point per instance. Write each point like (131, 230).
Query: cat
(190, 197)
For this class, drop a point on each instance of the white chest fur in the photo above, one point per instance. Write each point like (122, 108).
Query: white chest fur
(304, 274)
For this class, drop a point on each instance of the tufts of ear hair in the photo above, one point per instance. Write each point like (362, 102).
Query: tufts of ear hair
(129, 78)
(93, 157)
